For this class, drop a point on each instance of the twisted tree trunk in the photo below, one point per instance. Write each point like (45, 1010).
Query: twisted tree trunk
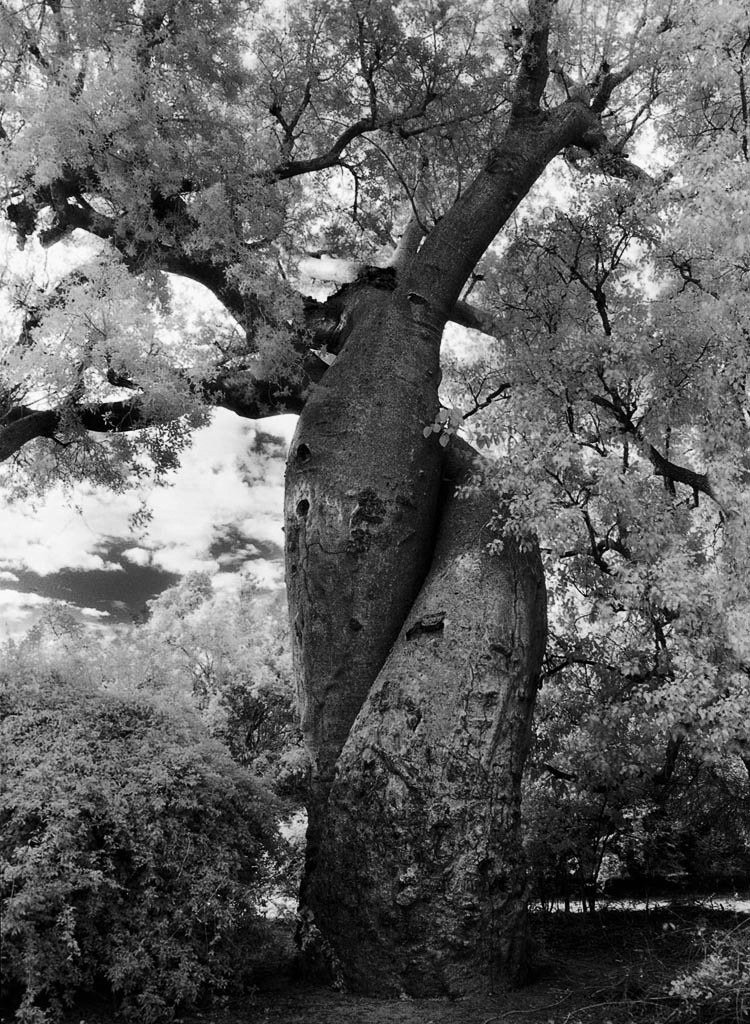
(417, 662)
(418, 873)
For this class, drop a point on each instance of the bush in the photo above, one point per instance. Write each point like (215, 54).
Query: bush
(134, 853)
(717, 989)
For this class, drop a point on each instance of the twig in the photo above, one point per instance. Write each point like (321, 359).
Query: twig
(618, 1002)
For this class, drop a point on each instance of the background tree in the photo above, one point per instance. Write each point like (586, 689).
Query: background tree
(217, 142)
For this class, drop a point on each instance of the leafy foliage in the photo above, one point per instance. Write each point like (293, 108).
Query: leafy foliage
(222, 655)
(233, 648)
(717, 989)
(219, 142)
(134, 855)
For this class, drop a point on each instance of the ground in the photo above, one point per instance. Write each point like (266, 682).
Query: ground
(613, 967)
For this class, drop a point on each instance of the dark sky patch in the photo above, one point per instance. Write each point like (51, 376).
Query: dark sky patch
(121, 593)
(232, 548)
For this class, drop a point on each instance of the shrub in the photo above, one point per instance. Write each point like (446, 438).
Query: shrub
(134, 853)
(717, 989)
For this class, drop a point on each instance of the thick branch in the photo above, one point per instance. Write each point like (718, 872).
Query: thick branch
(670, 471)
(466, 314)
(23, 425)
(238, 391)
(534, 69)
(70, 216)
(607, 84)
(453, 248)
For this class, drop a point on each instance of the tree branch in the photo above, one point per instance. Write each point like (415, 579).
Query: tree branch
(237, 391)
(672, 473)
(332, 156)
(534, 70)
(606, 85)
(242, 391)
(23, 425)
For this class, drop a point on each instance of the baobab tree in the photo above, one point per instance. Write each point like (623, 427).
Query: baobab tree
(237, 145)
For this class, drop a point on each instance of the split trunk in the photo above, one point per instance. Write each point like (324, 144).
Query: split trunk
(417, 650)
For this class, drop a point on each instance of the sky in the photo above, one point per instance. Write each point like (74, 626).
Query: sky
(220, 513)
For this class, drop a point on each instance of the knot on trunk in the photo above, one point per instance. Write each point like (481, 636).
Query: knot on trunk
(369, 512)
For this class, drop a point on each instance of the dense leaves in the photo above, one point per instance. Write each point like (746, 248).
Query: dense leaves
(134, 855)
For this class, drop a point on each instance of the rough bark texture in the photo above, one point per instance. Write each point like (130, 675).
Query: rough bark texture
(423, 887)
(412, 879)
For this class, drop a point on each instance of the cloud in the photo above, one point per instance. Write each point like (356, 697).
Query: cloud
(93, 613)
(221, 511)
(10, 599)
(18, 610)
(44, 557)
(138, 556)
(268, 574)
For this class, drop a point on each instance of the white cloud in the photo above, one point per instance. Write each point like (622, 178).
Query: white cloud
(138, 556)
(179, 560)
(206, 491)
(264, 526)
(47, 555)
(238, 556)
(222, 489)
(93, 613)
(11, 599)
(19, 610)
(268, 574)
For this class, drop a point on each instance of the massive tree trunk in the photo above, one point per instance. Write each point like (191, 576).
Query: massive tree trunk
(360, 512)
(417, 650)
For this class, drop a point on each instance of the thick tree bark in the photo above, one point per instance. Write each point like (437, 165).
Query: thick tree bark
(423, 885)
